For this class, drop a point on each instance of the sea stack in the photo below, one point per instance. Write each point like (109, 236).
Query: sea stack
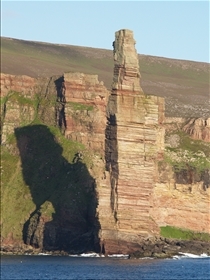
(126, 63)
(134, 141)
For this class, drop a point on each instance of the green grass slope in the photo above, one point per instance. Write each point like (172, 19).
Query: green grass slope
(40, 173)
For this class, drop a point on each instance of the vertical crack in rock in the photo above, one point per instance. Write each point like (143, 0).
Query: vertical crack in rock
(112, 153)
(61, 101)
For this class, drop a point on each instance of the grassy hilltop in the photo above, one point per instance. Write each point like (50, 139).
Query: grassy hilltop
(184, 84)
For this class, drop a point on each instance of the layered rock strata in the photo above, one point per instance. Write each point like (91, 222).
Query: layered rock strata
(183, 206)
(85, 106)
(134, 142)
(24, 99)
(23, 84)
(198, 129)
(134, 197)
(79, 110)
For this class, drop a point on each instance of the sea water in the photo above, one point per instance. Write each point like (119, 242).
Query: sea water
(186, 267)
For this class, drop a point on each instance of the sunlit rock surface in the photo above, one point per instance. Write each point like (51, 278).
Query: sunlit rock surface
(134, 141)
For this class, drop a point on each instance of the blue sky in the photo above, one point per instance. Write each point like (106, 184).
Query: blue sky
(172, 29)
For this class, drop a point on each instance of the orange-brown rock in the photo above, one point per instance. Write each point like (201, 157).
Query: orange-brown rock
(134, 141)
(126, 128)
(125, 78)
(198, 129)
(184, 206)
(85, 105)
(23, 84)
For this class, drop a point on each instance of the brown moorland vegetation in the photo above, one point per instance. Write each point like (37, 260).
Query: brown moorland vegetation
(184, 84)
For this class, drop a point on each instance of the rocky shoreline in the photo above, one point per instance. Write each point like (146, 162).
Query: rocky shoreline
(166, 248)
(150, 248)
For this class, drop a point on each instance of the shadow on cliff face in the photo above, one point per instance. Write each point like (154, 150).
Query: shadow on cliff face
(64, 195)
(61, 101)
(111, 151)
(190, 175)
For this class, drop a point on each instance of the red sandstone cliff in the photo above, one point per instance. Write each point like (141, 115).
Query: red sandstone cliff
(125, 130)
(198, 129)
(23, 84)
(86, 126)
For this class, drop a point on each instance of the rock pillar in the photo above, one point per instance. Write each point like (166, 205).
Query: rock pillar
(133, 142)
(126, 63)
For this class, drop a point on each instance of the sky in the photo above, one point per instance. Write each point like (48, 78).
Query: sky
(172, 29)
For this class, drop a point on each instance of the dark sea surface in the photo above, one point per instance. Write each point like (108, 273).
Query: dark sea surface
(72, 267)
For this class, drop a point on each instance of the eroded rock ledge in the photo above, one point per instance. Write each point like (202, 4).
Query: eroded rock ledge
(153, 248)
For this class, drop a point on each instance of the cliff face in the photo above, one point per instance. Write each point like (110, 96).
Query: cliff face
(78, 109)
(198, 129)
(181, 193)
(25, 99)
(96, 170)
(85, 105)
(23, 84)
(55, 178)
(181, 198)
(183, 206)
